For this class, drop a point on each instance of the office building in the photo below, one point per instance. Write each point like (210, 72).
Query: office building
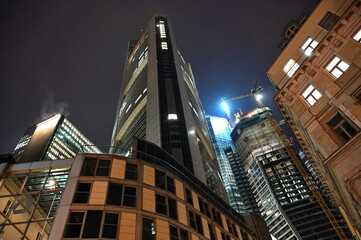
(146, 196)
(282, 195)
(159, 102)
(241, 180)
(318, 84)
(220, 133)
(52, 138)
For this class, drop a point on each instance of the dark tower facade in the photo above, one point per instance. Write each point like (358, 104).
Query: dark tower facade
(159, 102)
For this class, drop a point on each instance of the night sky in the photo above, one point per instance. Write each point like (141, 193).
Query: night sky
(68, 56)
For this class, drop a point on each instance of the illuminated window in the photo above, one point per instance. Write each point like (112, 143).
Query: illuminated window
(148, 232)
(130, 105)
(311, 94)
(337, 67)
(342, 127)
(357, 36)
(172, 117)
(164, 45)
(309, 46)
(291, 67)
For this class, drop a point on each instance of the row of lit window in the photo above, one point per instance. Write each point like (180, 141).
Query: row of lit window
(162, 29)
(135, 102)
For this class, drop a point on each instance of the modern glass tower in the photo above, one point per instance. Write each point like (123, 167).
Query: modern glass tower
(159, 102)
(283, 197)
(53, 138)
(220, 132)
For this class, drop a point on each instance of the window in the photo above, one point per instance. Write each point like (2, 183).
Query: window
(7, 207)
(75, 222)
(130, 196)
(172, 117)
(95, 167)
(120, 195)
(172, 207)
(92, 224)
(309, 46)
(173, 232)
(195, 221)
(177, 233)
(164, 45)
(342, 127)
(357, 36)
(206, 209)
(148, 232)
(161, 205)
(88, 224)
(82, 193)
(110, 227)
(357, 94)
(170, 184)
(328, 21)
(211, 232)
(337, 67)
(159, 179)
(311, 94)
(235, 230)
(201, 206)
(189, 196)
(183, 234)
(291, 67)
(131, 171)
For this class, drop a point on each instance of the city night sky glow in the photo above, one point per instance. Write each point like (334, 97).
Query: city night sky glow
(68, 56)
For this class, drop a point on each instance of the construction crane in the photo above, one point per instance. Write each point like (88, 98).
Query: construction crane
(315, 192)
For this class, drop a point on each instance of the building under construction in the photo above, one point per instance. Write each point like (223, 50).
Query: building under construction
(283, 197)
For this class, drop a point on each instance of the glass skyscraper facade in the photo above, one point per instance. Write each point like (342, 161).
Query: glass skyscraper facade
(220, 133)
(159, 102)
(282, 195)
(53, 138)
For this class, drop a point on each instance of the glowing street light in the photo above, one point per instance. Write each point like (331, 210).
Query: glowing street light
(225, 106)
(258, 97)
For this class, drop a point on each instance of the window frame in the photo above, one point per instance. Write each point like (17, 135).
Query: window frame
(152, 229)
(339, 124)
(310, 94)
(292, 67)
(358, 32)
(130, 171)
(82, 192)
(336, 66)
(96, 168)
(123, 195)
(305, 47)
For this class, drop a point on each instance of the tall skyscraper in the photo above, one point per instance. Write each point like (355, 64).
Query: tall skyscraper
(220, 133)
(159, 102)
(283, 197)
(318, 84)
(241, 180)
(52, 138)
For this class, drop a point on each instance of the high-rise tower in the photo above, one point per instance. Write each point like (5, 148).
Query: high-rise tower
(283, 197)
(159, 102)
(220, 133)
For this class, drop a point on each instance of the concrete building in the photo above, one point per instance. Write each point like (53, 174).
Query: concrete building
(159, 102)
(220, 133)
(318, 83)
(53, 138)
(146, 196)
(282, 195)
